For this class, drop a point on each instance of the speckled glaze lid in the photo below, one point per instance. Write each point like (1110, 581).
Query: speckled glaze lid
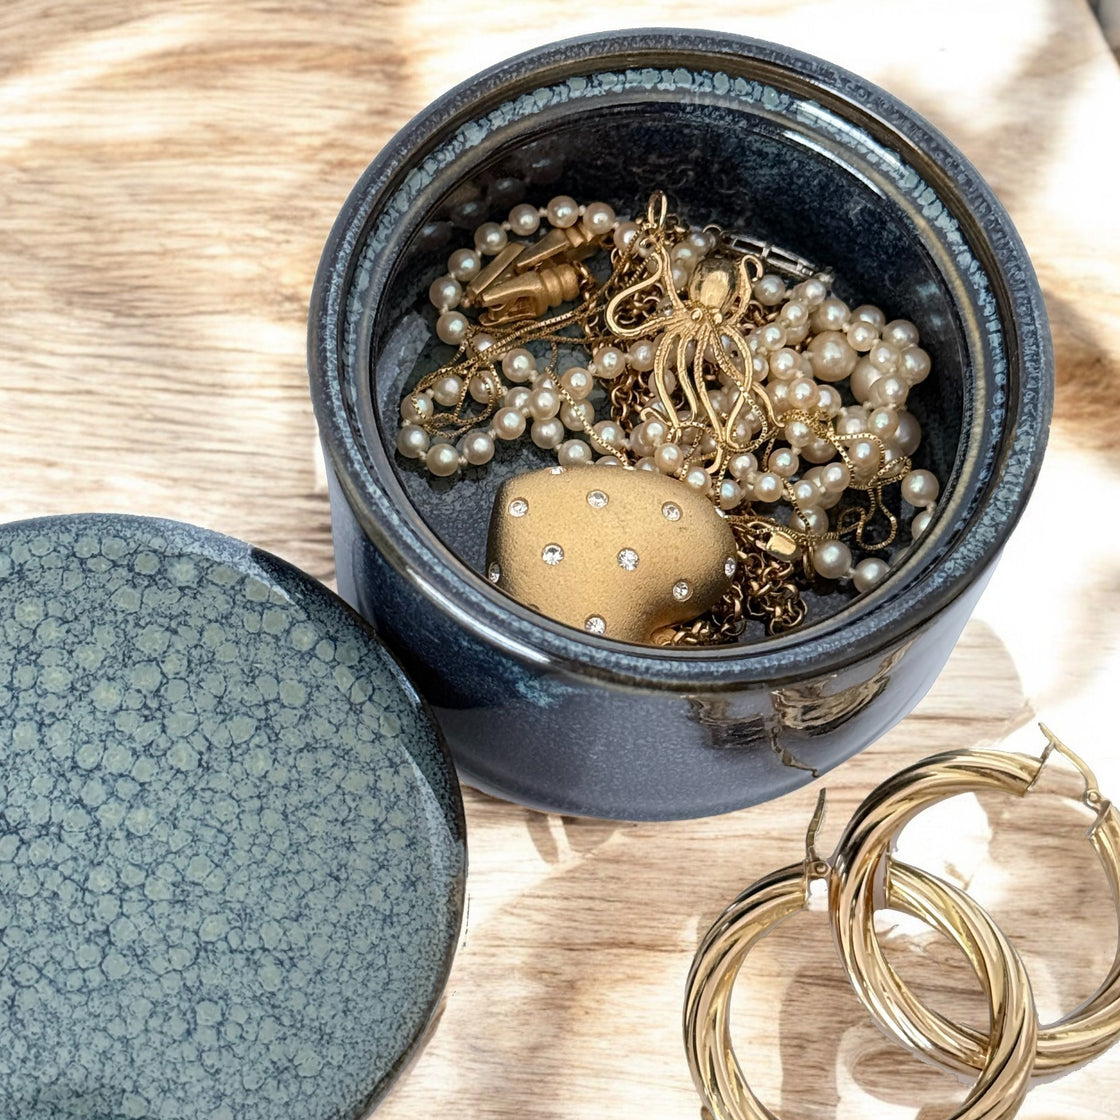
(232, 852)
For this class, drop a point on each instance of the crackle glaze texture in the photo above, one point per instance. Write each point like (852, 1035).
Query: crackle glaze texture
(231, 849)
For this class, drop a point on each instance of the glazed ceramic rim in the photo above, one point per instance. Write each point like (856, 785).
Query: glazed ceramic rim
(227, 549)
(1008, 463)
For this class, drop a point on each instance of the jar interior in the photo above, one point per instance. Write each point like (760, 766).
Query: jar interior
(745, 172)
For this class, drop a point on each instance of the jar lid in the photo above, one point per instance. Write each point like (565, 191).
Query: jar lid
(232, 851)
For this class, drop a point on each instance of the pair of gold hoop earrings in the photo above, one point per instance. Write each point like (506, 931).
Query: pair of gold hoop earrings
(862, 875)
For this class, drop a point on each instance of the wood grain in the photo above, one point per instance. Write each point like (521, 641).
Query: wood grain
(168, 174)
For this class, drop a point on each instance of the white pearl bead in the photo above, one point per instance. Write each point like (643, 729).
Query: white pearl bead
(769, 290)
(869, 572)
(771, 337)
(783, 364)
(680, 275)
(608, 363)
(519, 365)
(884, 357)
(818, 451)
(865, 456)
(416, 407)
(833, 359)
(574, 453)
(802, 393)
(702, 240)
(484, 388)
(477, 447)
(889, 390)
(832, 559)
(798, 433)
(851, 422)
(610, 434)
(883, 422)
(768, 487)
(811, 520)
(669, 458)
(445, 293)
(490, 238)
(508, 423)
(518, 397)
(864, 377)
(869, 313)
(778, 392)
(908, 434)
(806, 492)
(607, 461)
(524, 220)
(641, 355)
(577, 417)
(831, 315)
(547, 433)
(578, 382)
(698, 479)
(442, 460)
(544, 404)
(829, 401)
(563, 211)
(920, 523)
(794, 314)
(447, 390)
(598, 218)
(684, 254)
(862, 336)
(624, 234)
(412, 442)
(481, 341)
(452, 327)
(914, 365)
(730, 494)
(835, 477)
(464, 265)
(646, 464)
(645, 438)
(783, 461)
(920, 488)
(900, 333)
(743, 465)
(812, 291)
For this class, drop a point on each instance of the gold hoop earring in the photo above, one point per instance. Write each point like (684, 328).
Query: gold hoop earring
(1073, 1040)
(1004, 1079)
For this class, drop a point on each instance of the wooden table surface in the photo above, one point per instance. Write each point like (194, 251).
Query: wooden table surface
(168, 174)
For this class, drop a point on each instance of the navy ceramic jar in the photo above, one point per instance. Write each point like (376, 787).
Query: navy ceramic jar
(756, 138)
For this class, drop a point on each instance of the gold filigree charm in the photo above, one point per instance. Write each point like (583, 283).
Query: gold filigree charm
(616, 552)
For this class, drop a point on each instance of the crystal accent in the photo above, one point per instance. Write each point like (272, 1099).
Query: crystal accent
(628, 559)
(729, 566)
(682, 590)
(556, 470)
(595, 625)
(552, 554)
(518, 507)
(494, 572)
(597, 499)
(671, 511)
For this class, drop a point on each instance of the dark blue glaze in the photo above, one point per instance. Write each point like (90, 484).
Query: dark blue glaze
(232, 856)
(757, 138)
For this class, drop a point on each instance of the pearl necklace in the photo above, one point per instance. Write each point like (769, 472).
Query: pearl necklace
(716, 372)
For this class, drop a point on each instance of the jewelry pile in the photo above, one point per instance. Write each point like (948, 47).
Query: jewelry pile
(706, 377)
